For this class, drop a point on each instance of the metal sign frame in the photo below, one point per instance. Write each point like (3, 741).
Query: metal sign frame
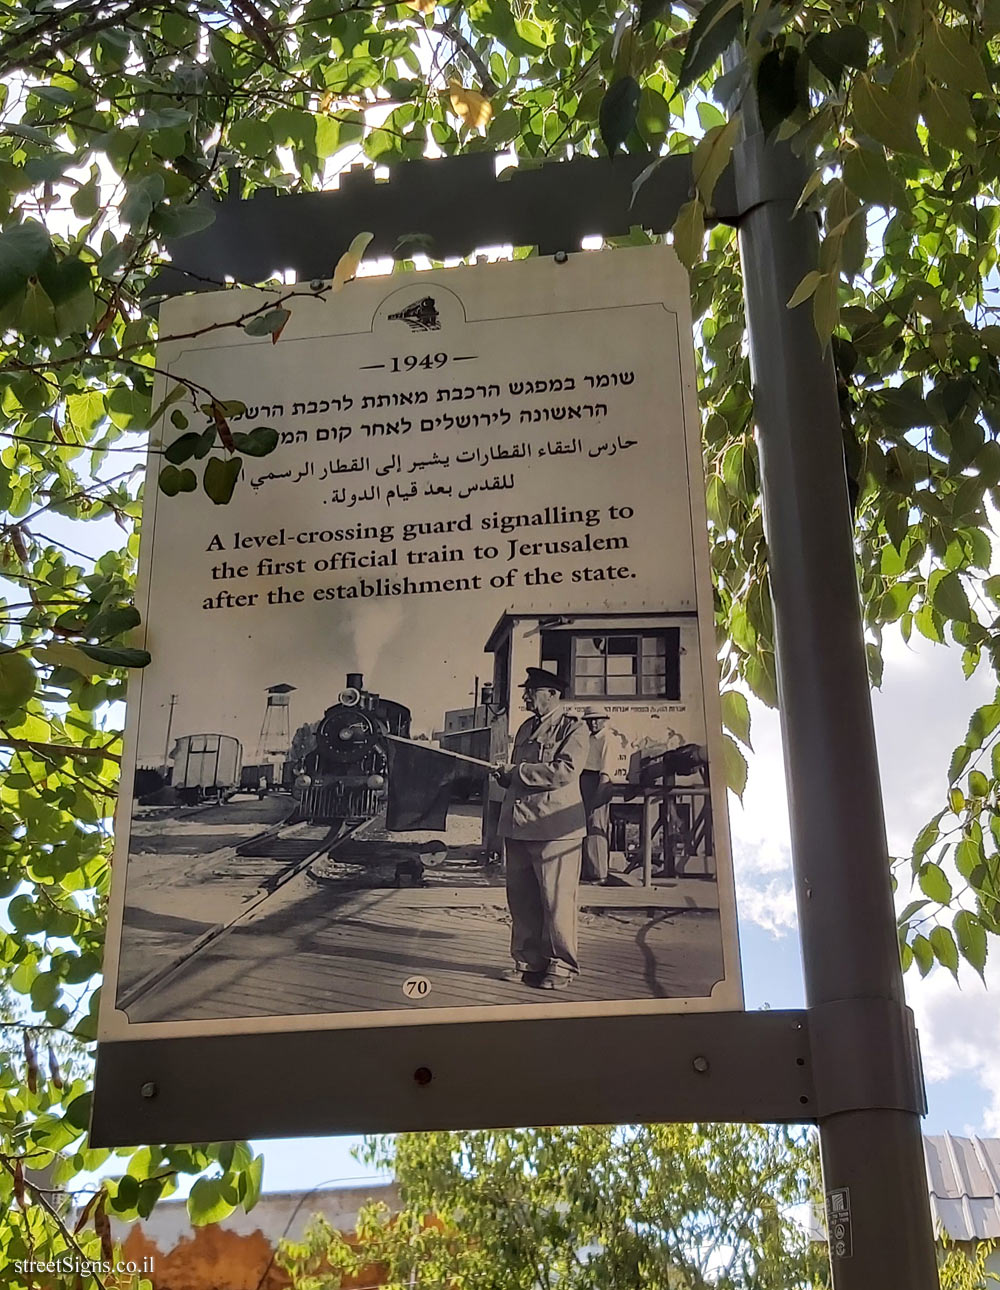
(849, 1062)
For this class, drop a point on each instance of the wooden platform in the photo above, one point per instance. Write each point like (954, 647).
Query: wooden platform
(678, 893)
(297, 955)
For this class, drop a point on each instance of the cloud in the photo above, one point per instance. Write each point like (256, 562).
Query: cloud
(960, 1032)
(771, 906)
(920, 713)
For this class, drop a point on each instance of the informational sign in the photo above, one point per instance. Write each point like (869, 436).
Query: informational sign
(431, 729)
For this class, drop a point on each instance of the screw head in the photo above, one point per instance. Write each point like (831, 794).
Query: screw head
(148, 1089)
(422, 1075)
(560, 257)
(700, 1064)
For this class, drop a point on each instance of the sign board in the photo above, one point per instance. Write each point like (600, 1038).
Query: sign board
(479, 471)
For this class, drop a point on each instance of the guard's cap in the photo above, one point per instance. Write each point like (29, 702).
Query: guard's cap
(539, 679)
(593, 713)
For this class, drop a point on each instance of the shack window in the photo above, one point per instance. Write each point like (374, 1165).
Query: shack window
(627, 665)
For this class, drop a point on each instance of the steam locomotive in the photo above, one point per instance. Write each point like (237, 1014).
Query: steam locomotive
(346, 775)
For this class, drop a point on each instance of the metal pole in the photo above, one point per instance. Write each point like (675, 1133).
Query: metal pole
(647, 838)
(170, 722)
(839, 847)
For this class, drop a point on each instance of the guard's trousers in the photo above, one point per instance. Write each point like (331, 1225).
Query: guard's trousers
(595, 844)
(543, 881)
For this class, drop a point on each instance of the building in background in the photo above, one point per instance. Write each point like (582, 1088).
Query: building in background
(238, 1253)
(964, 1179)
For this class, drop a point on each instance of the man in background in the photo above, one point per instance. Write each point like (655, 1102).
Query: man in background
(595, 789)
(543, 822)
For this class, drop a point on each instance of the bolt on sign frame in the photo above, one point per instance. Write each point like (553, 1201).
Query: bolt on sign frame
(849, 1060)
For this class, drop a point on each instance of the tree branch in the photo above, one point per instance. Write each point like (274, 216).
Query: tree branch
(447, 28)
(61, 750)
(71, 1242)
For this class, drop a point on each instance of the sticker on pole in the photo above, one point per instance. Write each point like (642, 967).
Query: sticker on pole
(838, 1220)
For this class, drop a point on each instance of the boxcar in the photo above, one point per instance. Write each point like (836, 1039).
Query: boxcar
(207, 767)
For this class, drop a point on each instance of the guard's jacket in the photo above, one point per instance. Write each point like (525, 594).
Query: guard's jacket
(543, 792)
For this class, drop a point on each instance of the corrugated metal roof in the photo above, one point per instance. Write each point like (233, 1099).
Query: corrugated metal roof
(964, 1179)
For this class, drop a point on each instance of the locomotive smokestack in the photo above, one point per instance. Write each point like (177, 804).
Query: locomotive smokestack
(355, 681)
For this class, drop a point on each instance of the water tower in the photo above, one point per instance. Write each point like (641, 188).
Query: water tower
(275, 731)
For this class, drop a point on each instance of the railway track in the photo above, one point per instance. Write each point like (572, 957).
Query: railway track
(269, 860)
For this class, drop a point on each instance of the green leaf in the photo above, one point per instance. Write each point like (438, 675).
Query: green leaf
(30, 133)
(253, 137)
(717, 499)
(126, 1195)
(926, 838)
(884, 116)
(176, 393)
(22, 250)
(959, 761)
(945, 949)
(689, 232)
(711, 156)
(902, 407)
(805, 288)
(181, 221)
(251, 1180)
(62, 654)
(17, 680)
(38, 313)
(950, 599)
(654, 115)
(914, 907)
(968, 857)
(934, 883)
(210, 1201)
(258, 442)
(826, 306)
(328, 133)
(923, 953)
(736, 714)
(64, 279)
(780, 89)
(867, 174)
(651, 10)
(44, 991)
(952, 60)
(267, 324)
(971, 936)
(948, 118)
(734, 766)
(140, 199)
(86, 410)
(128, 408)
(619, 110)
(220, 478)
(847, 46)
(77, 1114)
(117, 655)
(712, 32)
(979, 785)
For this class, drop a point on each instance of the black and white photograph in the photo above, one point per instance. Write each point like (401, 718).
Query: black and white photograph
(409, 751)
